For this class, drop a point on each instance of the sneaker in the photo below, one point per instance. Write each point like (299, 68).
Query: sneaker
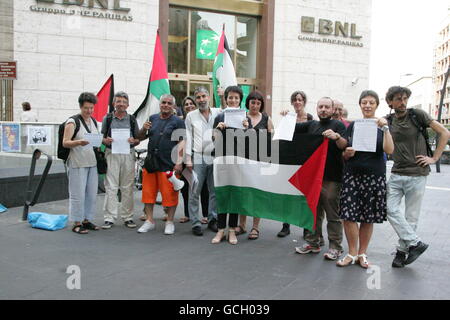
(107, 225)
(147, 226)
(286, 230)
(212, 225)
(415, 252)
(399, 260)
(170, 228)
(307, 248)
(197, 231)
(333, 254)
(130, 224)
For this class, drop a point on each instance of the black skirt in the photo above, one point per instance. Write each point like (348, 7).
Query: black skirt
(363, 198)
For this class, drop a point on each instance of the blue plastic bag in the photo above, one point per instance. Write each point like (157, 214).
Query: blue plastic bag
(2, 208)
(47, 221)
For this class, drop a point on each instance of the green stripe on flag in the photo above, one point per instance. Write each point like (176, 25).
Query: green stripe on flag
(159, 87)
(253, 202)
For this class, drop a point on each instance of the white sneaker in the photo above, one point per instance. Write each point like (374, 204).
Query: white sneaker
(147, 226)
(170, 228)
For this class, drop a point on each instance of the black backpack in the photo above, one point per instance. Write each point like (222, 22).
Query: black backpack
(422, 127)
(63, 153)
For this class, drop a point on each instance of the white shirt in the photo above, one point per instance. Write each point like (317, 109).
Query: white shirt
(28, 116)
(199, 131)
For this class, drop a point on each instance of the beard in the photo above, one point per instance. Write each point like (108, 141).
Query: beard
(203, 106)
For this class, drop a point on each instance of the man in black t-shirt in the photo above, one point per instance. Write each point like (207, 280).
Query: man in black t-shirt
(332, 179)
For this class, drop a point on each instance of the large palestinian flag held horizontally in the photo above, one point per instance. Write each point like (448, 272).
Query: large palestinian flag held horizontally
(285, 189)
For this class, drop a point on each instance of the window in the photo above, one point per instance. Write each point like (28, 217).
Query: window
(6, 101)
(193, 39)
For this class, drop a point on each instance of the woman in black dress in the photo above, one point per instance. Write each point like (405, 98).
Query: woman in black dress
(260, 121)
(363, 195)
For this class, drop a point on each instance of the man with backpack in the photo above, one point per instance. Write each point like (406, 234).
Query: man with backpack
(120, 173)
(412, 158)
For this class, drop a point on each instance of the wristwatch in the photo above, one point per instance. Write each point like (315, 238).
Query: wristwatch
(339, 136)
(385, 128)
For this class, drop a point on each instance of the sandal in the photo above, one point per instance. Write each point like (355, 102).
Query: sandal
(364, 263)
(184, 219)
(78, 228)
(239, 230)
(219, 237)
(253, 235)
(90, 226)
(232, 237)
(204, 221)
(342, 263)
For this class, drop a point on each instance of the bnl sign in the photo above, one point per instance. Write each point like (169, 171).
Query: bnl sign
(103, 4)
(328, 28)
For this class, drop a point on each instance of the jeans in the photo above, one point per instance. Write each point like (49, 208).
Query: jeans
(405, 223)
(83, 184)
(204, 173)
(329, 204)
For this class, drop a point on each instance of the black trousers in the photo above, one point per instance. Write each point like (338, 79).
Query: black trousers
(222, 220)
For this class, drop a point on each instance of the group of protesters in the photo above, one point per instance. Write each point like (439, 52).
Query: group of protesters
(354, 194)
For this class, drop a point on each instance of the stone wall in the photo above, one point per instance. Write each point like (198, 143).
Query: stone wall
(6, 30)
(61, 55)
(320, 69)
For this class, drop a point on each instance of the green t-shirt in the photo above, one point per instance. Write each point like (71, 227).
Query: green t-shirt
(409, 143)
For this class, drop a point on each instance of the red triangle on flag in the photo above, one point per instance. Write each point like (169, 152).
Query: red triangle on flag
(104, 99)
(308, 179)
(159, 69)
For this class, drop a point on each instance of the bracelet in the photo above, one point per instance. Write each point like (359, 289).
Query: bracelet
(338, 138)
(385, 128)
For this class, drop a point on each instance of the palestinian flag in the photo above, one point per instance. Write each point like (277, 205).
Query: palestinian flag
(105, 97)
(285, 188)
(223, 69)
(158, 85)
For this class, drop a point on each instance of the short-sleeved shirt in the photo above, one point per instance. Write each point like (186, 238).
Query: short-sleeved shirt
(334, 165)
(163, 148)
(123, 123)
(366, 162)
(409, 143)
(79, 156)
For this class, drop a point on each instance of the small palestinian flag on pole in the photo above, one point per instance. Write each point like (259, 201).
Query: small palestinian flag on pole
(286, 188)
(105, 97)
(223, 69)
(158, 85)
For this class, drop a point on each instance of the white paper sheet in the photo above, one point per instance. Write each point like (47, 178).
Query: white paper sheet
(191, 178)
(120, 144)
(286, 128)
(95, 139)
(365, 135)
(234, 118)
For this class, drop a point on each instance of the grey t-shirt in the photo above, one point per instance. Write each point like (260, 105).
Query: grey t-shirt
(409, 143)
(117, 123)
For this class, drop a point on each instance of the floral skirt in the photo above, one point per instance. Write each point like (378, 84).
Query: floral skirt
(363, 198)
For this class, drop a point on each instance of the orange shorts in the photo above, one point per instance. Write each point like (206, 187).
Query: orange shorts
(154, 182)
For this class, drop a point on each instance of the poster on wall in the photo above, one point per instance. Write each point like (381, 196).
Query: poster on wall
(11, 137)
(39, 136)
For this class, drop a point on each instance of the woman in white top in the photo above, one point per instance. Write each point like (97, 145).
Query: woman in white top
(82, 166)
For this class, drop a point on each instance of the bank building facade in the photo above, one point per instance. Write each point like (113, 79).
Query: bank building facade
(61, 48)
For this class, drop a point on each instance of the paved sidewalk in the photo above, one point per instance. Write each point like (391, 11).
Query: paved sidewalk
(122, 264)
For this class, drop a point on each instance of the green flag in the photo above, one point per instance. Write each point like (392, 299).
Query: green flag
(207, 42)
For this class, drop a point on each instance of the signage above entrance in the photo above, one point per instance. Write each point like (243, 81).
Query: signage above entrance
(325, 28)
(87, 8)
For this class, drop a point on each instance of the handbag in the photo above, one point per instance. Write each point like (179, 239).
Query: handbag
(102, 165)
(151, 163)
